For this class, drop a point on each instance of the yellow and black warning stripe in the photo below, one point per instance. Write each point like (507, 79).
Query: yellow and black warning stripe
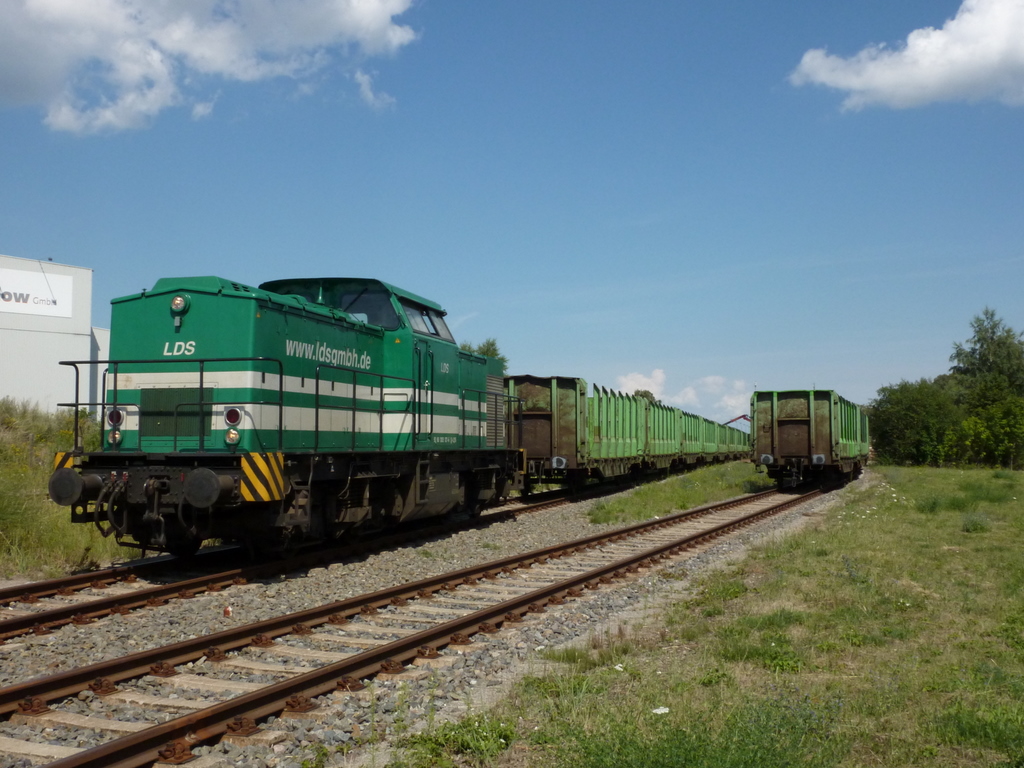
(263, 477)
(63, 459)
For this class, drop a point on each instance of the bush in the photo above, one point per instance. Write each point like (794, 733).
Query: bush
(36, 536)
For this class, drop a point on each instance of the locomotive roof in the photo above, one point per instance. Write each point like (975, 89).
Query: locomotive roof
(213, 284)
(394, 289)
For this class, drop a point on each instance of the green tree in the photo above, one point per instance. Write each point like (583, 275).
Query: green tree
(972, 415)
(646, 394)
(989, 369)
(488, 348)
(991, 363)
(910, 421)
(993, 435)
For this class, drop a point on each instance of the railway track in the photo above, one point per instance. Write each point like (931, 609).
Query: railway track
(43, 606)
(396, 632)
(40, 607)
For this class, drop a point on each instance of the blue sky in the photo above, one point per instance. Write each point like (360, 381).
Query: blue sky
(692, 197)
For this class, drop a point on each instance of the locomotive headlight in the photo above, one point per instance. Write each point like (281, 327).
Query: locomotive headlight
(114, 437)
(115, 417)
(231, 437)
(179, 304)
(233, 417)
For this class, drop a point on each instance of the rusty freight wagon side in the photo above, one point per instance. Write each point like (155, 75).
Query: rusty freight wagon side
(554, 427)
(570, 437)
(802, 435)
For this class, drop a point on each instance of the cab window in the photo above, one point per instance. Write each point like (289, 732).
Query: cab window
(426, 321)
(441, 325)
(364, 300)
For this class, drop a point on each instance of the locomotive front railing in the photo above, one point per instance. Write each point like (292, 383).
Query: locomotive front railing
(203, 405)
(502, 413)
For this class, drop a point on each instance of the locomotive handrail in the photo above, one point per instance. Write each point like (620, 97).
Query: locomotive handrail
(511, 420)
(380, 411)
(201, 362)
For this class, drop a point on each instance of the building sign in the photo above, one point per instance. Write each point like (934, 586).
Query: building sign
(35, 293)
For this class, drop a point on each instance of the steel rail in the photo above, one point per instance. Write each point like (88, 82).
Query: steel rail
(178, 735)
(76, 581)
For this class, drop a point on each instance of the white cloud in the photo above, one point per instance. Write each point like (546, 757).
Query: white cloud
(712, 384)
(655, 383)
(376, 100)
(977, 55)
(714, 395)
(202, 109)
(686, 397)
(116, 64)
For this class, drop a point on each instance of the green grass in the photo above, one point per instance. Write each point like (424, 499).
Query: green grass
(693, 489)
(886, 632)
(472, 741)
(36, 536)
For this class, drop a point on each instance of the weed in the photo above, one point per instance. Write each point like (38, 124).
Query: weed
(319, 757)
(983, 724)
(426, 553)
(562, 687)
(853, 573)
(853, 638)
(401, 716)
(762, 732)
(897, 633)
(781, 658)
(974, 522)
(722, 591)
(776, 620)
(963, 504)
(576, 656)
(712, 677)
(1011, 631)
(989, 492)
(476, 739)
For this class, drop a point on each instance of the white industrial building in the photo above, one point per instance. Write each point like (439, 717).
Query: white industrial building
(46, 317)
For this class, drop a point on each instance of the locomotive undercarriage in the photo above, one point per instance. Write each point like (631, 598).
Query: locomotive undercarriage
(180, 501)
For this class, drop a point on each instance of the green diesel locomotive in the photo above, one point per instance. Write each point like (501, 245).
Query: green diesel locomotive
(285, 414)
